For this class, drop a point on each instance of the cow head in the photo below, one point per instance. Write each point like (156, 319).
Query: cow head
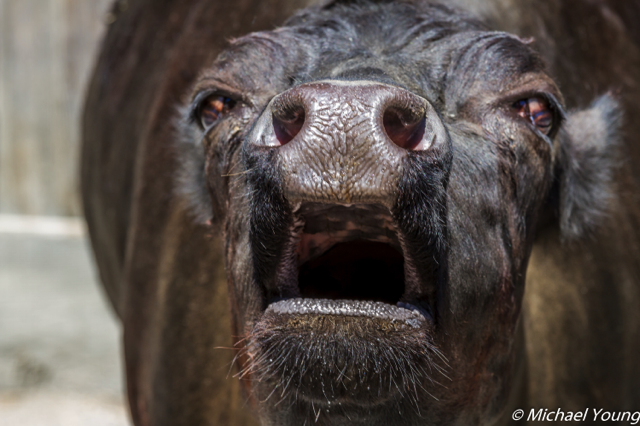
(380, 172)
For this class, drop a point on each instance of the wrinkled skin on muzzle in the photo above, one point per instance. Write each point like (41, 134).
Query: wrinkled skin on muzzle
(343, 154)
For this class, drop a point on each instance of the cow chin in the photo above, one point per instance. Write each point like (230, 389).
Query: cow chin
(380, 355)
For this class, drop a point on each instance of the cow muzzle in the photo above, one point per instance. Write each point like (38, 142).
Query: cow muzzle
(344, 142)
(347, 185)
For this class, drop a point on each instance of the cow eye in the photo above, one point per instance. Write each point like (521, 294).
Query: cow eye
(213, 108)
(537, 111)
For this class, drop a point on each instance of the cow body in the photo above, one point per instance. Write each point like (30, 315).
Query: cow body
(570, 341)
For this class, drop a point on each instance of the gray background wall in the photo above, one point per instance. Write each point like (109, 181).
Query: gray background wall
(47, 50)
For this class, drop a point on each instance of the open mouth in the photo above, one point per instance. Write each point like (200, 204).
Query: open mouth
(350, 261)
(348, 313)
(355, 270)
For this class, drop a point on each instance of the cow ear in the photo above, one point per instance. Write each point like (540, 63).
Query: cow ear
(587, 159)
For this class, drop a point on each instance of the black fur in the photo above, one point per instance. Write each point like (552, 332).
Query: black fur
(421, 214)
(271, 216)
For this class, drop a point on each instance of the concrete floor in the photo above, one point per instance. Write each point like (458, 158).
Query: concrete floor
(60, 356)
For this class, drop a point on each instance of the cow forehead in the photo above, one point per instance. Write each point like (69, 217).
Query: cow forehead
(428, 51)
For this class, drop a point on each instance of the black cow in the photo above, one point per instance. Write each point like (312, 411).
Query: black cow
(381, 179)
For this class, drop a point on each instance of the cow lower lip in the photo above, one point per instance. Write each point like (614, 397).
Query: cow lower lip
(342, 352)
(349, 308)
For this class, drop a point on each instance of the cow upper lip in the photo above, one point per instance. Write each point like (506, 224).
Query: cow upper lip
(350, 260)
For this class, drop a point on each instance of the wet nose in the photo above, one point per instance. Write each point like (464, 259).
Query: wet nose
(345, 141)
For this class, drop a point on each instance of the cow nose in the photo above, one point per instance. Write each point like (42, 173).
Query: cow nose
(403, 113)
(345, 141)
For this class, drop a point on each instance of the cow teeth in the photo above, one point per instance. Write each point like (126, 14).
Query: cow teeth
(353, 308)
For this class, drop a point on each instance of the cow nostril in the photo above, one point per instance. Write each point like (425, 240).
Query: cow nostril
(403, 131)
(288, 125)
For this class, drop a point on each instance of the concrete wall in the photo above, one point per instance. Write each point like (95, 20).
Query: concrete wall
(47, 50)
